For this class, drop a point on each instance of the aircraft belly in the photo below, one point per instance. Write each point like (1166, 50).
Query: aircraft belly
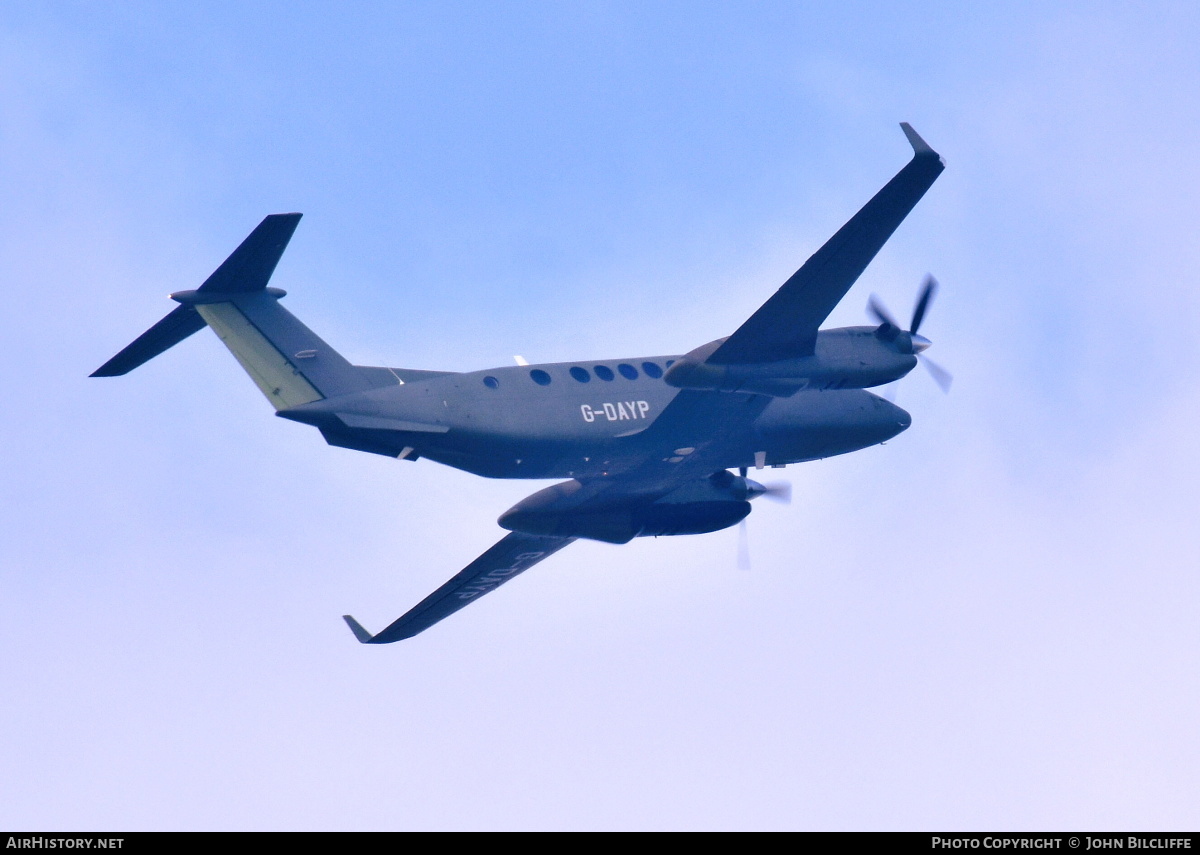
(522, 457)
(590, 432)
(528, 437)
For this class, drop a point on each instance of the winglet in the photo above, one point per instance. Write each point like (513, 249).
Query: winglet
(357, 628)
(920, 147)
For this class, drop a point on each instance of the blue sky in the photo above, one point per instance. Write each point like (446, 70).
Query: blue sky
(988, 622)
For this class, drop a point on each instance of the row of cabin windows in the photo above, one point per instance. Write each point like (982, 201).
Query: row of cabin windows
(581, 375)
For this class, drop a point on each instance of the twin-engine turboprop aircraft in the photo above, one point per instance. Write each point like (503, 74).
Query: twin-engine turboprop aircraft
(646, 442)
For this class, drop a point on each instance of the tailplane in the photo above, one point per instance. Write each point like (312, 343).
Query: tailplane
(288, 362)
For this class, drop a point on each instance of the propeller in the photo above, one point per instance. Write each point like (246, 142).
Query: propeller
(909, 341)
(743, 546)
(776, 491)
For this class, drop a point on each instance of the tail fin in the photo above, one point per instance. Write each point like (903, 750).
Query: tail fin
(290, 364)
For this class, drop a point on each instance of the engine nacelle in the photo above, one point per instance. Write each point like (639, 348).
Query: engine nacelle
(710, 505)
(847, 358)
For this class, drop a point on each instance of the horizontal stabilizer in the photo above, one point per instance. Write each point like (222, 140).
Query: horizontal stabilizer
(165, 334)
(247, 270)
(250, 266)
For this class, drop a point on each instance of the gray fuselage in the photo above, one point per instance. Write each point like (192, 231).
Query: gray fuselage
(545, 421)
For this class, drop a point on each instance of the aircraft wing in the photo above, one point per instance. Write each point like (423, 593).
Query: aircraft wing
(785, 327)
(695, 417)
(512, 556)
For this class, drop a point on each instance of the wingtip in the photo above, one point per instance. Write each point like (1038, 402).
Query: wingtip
(920, 147)
(357, 628)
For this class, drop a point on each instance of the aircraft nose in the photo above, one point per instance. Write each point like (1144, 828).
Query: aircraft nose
(890, 417)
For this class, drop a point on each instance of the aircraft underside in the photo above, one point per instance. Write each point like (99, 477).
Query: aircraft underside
(774, 432)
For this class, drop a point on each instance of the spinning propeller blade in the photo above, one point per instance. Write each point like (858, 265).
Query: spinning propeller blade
(880, 313)
(939, 374)
(776, 491)
(743, 558)
(928, 290)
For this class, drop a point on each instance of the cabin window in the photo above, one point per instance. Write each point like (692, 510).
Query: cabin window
(491, 382)
(652, 369)
(603, 372)
(540, 377)
(627, 371)
(580, 374)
